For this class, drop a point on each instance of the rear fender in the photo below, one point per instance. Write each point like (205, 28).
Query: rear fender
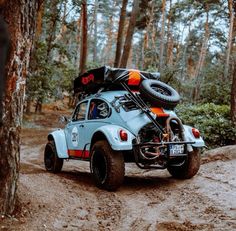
(111, 133)
(60, 142)
(188, 135)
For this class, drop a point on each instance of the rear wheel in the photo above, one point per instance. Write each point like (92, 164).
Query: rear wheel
(107, 166)
(51, 160)
(189, 168)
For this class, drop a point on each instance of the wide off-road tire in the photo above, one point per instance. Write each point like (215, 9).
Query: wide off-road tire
(159, 93)
(189, 168)
(51, 160)
(107, 166)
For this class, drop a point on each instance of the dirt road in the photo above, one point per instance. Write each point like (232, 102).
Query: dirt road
(148, 200)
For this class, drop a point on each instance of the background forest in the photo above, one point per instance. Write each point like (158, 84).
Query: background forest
(189, 42)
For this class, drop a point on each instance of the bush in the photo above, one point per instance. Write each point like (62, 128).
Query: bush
(212, 120)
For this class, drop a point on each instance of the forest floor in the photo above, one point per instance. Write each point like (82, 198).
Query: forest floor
(148, 200)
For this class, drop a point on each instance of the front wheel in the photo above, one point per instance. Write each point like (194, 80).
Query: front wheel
(107, 166)
(51, 160)
(189, 168)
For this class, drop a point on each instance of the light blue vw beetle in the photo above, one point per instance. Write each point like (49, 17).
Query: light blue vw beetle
(128, 118)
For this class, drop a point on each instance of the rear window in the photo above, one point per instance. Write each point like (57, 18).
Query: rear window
(125, 102)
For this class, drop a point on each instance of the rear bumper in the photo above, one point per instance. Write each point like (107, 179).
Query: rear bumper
(162, 152)
(163, 144)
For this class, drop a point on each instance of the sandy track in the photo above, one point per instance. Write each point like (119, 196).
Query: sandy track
(148, 200)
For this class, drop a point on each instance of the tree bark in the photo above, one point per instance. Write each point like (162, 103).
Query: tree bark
(20, 17)
(78, 43)
(4, 47)
(170, 41)
(129, 36)
(233, 67)
(39, 24)
(83, 44)
(162, 34)
(63, 29)
(230, 38)
(233, 98)
(95, 33)
(108, 47)
(52, 27)
(120, 33)
(202, 57)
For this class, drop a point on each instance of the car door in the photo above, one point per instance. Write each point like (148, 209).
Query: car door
(75, 132)
(98, 116)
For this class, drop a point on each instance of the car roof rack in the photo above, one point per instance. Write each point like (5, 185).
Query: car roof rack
(110, 79)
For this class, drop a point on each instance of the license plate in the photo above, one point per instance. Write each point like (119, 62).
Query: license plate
(176, 149)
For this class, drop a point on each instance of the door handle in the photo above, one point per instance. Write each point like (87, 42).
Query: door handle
(81, 125)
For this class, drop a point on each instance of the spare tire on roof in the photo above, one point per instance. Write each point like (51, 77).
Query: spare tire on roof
(159, 94)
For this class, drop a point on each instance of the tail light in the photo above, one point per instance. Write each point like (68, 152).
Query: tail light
(123, 135)
(196, 133)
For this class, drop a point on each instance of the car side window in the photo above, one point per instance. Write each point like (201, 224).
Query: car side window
(80, 112)
(98, 109)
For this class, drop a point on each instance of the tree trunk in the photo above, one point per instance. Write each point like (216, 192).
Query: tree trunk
(4, 47)
(39, 24)
(162, 34)
(21, 18)
(78, 36)
(109, 43)
(52, 27)
(120, 33)
(28, 106)
(170, 42)
(153, 36)
(233, 67)
(83, 44)
(233, 98)
(63, 29)
(201, 61)
(129, 36)
(230, 38)
(95, 33)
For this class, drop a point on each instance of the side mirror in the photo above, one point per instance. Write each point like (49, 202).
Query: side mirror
(64, 120)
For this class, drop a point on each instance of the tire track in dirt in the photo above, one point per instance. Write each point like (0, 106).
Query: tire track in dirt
(109, 214)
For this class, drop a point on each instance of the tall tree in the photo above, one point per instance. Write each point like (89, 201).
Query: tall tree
(120, 33)
(233, 66)
(129, 35)
(202, 56)
(230, 38)
(54, 14)
(20, 18)
(95, 33)
(162, 44)
(83, 44)
(39, 21)
(170, 40)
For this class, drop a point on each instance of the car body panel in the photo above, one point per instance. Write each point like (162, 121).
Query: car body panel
(198, 142)
(76, 139)
(111, 132)
(60, 143)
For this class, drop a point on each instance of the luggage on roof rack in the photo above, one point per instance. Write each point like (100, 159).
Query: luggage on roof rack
(110, 79)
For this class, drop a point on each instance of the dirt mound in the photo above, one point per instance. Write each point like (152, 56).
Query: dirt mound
(222, 153)
(185, 226)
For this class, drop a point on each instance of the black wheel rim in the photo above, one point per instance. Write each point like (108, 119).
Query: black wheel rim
(161, 90)
(49, 159)
(99, 167)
